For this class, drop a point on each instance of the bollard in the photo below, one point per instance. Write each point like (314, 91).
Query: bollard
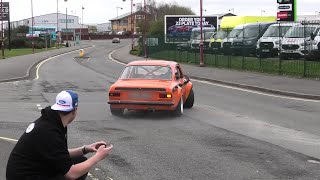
(81, 53)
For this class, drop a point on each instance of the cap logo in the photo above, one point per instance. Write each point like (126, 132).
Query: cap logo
(62, 102)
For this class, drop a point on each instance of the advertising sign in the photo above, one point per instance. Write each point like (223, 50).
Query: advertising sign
(178, 28)
(286, 10)
(4, 15)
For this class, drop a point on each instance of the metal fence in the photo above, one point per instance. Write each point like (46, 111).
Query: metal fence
(277, 48)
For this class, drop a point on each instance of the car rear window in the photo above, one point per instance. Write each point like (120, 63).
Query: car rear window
(147, 72)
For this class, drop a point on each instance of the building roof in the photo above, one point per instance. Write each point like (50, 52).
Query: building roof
(221, 15)
(45, 15)
(125, 15)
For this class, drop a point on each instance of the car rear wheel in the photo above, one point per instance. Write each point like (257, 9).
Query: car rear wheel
(190, 100)
(116, 112)
(179, 109)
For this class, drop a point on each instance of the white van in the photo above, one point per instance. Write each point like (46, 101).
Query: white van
(295, 41)
(313, 46)
(195, 38)
(227, 42)
(268, 44)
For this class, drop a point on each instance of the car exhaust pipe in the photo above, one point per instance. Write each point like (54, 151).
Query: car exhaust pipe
(151, 110)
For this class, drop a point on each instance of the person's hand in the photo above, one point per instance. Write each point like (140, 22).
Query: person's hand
(95, 146)
(103, 151)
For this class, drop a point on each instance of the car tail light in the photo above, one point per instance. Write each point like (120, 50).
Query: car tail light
(168, 95)
(113, 94)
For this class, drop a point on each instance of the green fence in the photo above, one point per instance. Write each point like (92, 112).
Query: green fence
(180, 52)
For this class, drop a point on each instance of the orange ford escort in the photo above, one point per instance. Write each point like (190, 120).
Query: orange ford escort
(152, 85)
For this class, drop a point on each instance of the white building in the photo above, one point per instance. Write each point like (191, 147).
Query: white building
(69, 22)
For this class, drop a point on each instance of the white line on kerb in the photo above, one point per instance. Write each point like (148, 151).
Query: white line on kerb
(231, 87)
(256, 92)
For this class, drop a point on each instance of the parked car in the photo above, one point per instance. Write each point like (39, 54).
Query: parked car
(116, 40)
(151, 85)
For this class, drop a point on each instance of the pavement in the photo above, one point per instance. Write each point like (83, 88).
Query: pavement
(280, 85)
(17, 68)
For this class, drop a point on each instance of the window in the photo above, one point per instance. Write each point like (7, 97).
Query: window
(147, 72)
(124, 22)
(64, 20)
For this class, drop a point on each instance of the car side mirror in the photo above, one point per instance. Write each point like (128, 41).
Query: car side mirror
(177, 76)
(186, 79)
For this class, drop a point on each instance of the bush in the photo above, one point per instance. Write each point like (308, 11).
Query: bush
(137, 51)
(18, 43)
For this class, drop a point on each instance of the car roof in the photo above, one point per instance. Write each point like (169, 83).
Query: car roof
(152, 63)
(286, 24)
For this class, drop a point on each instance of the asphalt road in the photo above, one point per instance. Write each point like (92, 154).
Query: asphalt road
(229, 134)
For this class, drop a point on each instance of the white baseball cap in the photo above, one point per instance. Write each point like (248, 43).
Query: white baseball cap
(66, 101)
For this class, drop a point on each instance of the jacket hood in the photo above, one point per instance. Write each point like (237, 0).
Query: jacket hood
(50, 115)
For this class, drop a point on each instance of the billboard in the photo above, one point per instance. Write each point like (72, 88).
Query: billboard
(286, 10)
(178, 28)
(4, 15)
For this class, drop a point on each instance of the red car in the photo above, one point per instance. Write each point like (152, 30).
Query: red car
(152, 85)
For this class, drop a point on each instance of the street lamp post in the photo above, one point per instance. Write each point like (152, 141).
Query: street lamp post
(32, 36)
(132, 27)
(58, 37)
(67, 24)
(81, 24)
(145, 30)
(118, 21)
(2, 43)
(201, 37)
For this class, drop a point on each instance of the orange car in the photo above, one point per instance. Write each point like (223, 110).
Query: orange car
(152, 85)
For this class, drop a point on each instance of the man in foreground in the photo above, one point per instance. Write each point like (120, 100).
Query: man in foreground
(42, 151)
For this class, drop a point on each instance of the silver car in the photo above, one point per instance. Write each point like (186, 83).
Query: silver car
(116, 40)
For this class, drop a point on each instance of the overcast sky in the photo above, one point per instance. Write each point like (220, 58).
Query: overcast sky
(100, 11)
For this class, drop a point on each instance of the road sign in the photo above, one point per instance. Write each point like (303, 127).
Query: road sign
(4, 16)
(286, 10)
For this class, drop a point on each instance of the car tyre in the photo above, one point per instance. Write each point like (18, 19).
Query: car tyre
(179, 109)
(190, 100)
(116, 112)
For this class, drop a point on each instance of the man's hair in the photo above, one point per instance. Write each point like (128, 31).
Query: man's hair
(64, 113)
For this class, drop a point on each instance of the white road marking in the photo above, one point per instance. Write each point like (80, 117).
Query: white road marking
(8, 139)
(111, 58)
(231, 87)
(40, 64)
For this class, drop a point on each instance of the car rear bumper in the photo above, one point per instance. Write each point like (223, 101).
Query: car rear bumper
(141, 105)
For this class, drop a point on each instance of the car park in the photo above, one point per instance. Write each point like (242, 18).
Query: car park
(151, 85)
(116, 40)
(230, 22)
(246, 41)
